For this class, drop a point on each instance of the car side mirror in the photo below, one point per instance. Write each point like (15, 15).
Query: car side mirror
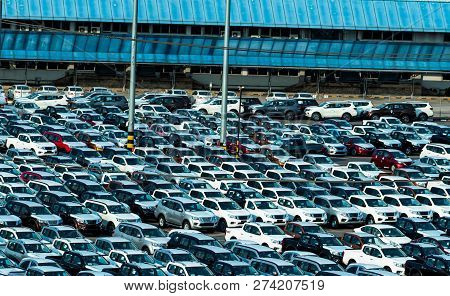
(274, 273)
(180, 210)
(104, 212)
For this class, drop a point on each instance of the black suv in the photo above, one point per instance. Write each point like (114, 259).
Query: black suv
(288, 109)
(109, 100)
(411, 142)
(186, 241)
(415, 228)
(211, 254)
(403, 111)
(172, 103)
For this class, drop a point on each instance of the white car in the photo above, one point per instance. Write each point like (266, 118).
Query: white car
(302, 209)
(424, 110)
(47, 89)
(201, 96)
(436, 151)
(386, 233)
(61, 245)
(35, 142)
(374, 209)
(145, 237)
(438, 204)
(362, 106)
(73, 91)
(346, 174)
(361, 130)
(277, 96)
(215, 105)
(344, 110)
(19, 91)
(129, 164)
(392, 121)
(44, 100)
(320, 161)
(264, 210)
(265, 234)
(303, 96)
(440, 163)
(390, 258)
(368, 169)
(408, 206)
(229, 212)
(186, 268)
(112, 213)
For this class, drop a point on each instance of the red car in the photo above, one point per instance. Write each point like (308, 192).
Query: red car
(63, 141)
(357, 146)
(246, 145)
(92, 119)
(390, 158)
(30, 176)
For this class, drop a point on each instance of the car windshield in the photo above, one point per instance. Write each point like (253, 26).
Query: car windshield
(391, 232)
(409, 202)
(289, 270)
(398, 154)
(269, 254)
(442, 161)
(331, 267)
(244, 270)
(22, 189)
(141, 258)
(28, 235)
(198, 271)
(135, 161)
(179, 169)
(38, 139)
(183, 257)
(153, 232)
(6, 263)
(226, 257)
(330, 241)
(370, 167)
(429, 170)
(425, 226)
(40, 210)
(428, 251)
(95, 260)
(355, 174)
(441, 202)
(193, 207)
(83, 247)
(416, 175)
(123, 246)
(78, 210)
(69, 138)
(269, 184)
(376, 203)
(4, 212)
(265, 205)
(340, 203)
(70, 233)
(229, 205)
(271, 230)
(143, 197)
(323, 160)
(303, 203)
(37, 248)
(371, 240)
(91, 154)
(393, 253)
(117, 209)
(388, 191)
(330, 140)
(82, 125)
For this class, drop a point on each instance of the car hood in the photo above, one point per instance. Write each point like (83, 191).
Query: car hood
(147, 204)
(75, 144)
(103, 144)
(390, 142)
(404, 160)
(401, 260)
(428, 233)
(86, 217)
(101, 267)
(93, 159)
(418, 142)
(384, 210)
(45, 145)
(48, 218)
(238, 212)
(11, 271)
(347, 210)
(338, 249)
(274, 212)
(366, 146)
(313, 211)
(9, 218)
(325, 166)
(396, 240)
(158, 240)
(201, 214)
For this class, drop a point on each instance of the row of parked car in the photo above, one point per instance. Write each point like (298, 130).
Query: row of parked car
(65, 175)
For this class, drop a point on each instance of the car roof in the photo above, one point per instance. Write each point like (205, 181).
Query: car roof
(140, 225)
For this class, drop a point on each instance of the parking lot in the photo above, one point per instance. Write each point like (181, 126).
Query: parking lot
(337, 172)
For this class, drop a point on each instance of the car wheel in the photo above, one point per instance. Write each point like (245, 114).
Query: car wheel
(353, 152)
(110, 228)
(203, 111)
(36, 226)
(346, 117)
(415, 273)
(146, 250)
(233, 238)
(334, 223)
(222, 226)
(405, 119)
(435, 217)
(297, 219)
(351, 261)
(370, 220)
(408, 151)
(290, 116)
(186, 225)
(374, 117)
(316, 116)
(258, 219)
(259, 113)
(423, 117)
(162, 221)
(265, 245)
(387, 268)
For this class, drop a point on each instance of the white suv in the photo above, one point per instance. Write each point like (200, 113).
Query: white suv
(374, 209)
(229, 212)
(18, 91)
(436, 151)
(73, 91)
(302, 209)
(277, 96)
(344, 110)
(423, 110)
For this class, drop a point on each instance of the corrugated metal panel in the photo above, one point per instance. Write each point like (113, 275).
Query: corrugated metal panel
(199, 12)
(392, 16)
(46, 9)
(244, 52)
(35, 9)
(211, 16)
(175, 12)
(325, 14)
(82, 9)
(70, 9)
(151, 6)
(313, 14)
(380, 12)
(290, 12)
(187, 11)
(335, 13)
(94, 11)
(359, 16)
(257, 14)
(427, 15)
(117, 11)
(105, 9)
(22, 8)
(279, 12)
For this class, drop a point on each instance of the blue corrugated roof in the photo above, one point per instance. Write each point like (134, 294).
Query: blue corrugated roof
(46, 46)
(406, 15)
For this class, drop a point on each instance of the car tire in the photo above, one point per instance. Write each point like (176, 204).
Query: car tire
(258, 219)
(351, 261)
(405, 119)
(370, 220)
(265, 245)
(422, 117)
(203, 111)
(353, 152)
(374, 117)
(415, 272)
(186, 225)
(387, 268)
(290, 115)
(162, 221)
(334, 223)
(146, 250)
(297, 219)
(222, 225)
(316, 116)
(36, 226)
(346, 116)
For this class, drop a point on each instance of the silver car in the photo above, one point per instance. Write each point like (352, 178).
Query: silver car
(17, 250)
(184, 212)
(146, 237)
(339, 210)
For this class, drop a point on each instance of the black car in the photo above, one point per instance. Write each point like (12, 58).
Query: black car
(77, 216)
(109, 100)
(263, 167)
(211, 254)
(324, 245)
(420, 251)
(403, 111)
(246, 103)
(288, 109)
(304, 103)
(78, 187)
(84, 156)
(443, 224)
(55, 111)
(110, 152)
(32, 214)
(441, 133)
(49, 198)
(119, 120)
(140, 203)
(411, 142)
(442, 242)
(436, 265)
(75, 261)
(233, 268)
(240, 195)
(139, 269)
(172, 103)
(186, 241)
(345, 191)
(381, 140)
(415, 228)
(152, 185)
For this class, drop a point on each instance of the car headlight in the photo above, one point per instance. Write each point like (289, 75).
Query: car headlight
(275, 241)
(81, 221)
(343, 215)
(360, 215)
(335, 253)
(120, 220)
(195, 218)
(398, 264)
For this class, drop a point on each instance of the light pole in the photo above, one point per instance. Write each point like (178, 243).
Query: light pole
(238, 144)
(223, 130)
(131, 102)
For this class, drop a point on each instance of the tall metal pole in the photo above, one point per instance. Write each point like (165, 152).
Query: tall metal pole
(223, 130)
(131, 102)
(238, 144)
